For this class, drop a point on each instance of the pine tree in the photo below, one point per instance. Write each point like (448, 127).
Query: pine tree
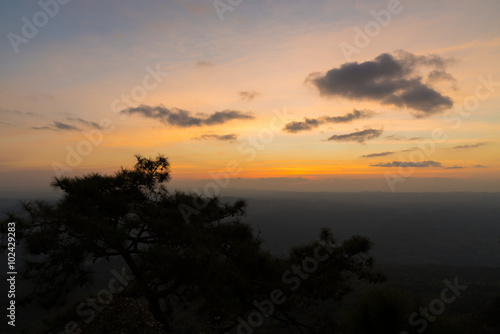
(183, 249)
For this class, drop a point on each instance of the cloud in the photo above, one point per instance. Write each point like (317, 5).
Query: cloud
(479, 166)
(221, 117)
(409, 149)
(13, 116)
(389, 79)
(422, 98)
(31, 113)
(381, 154)
(11, 111)
(358, 137)
(204, 64)
(84, 122)
(438, 75)
(305, 125)
(422, 164)
(469, 146)
(57, 126)
(248, 95)
(310, 123)
(399, 137)
(64, 126)
(419, 164)
(384, 154)
(349, 117)
(41, 97)
(229, 137)
(183, 118)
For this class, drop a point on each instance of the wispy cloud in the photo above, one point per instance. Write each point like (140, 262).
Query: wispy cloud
(311, 123)
(11, 111)
(229, 137)
(381, 154)
(84, 122)
(358, 137)
(248, 95)
(438, 75)
(14, 112)
(419, 164)
(422, 164)
(56, 126)
(204, 64)
(461, 147)
(384, 154)
(183, 118)
(389, 79)
(400, 138)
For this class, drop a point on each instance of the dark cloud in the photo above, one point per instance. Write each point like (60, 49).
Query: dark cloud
(248, 95)
(422, 98)
(469, 146)
(390, 79)
(358, 137)
(204, 64)
(64, 126)
(349, 117)
(479, 166)
(305, 125)
(310, 123)
(454, 167)
(229, 137)
(409, 164)
(58, 126)
(183, 118)
(84, 122)
(221, 117)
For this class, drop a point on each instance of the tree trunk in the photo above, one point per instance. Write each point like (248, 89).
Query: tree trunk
(158, 314)
(153, 300)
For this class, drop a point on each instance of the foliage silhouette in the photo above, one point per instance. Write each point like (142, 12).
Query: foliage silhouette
(211, 263)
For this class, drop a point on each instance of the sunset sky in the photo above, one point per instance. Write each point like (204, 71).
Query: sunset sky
(296, 95)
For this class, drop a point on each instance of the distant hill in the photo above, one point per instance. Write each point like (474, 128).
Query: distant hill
(407, 228)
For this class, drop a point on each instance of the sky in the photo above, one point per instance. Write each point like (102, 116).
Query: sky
(281, 95)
